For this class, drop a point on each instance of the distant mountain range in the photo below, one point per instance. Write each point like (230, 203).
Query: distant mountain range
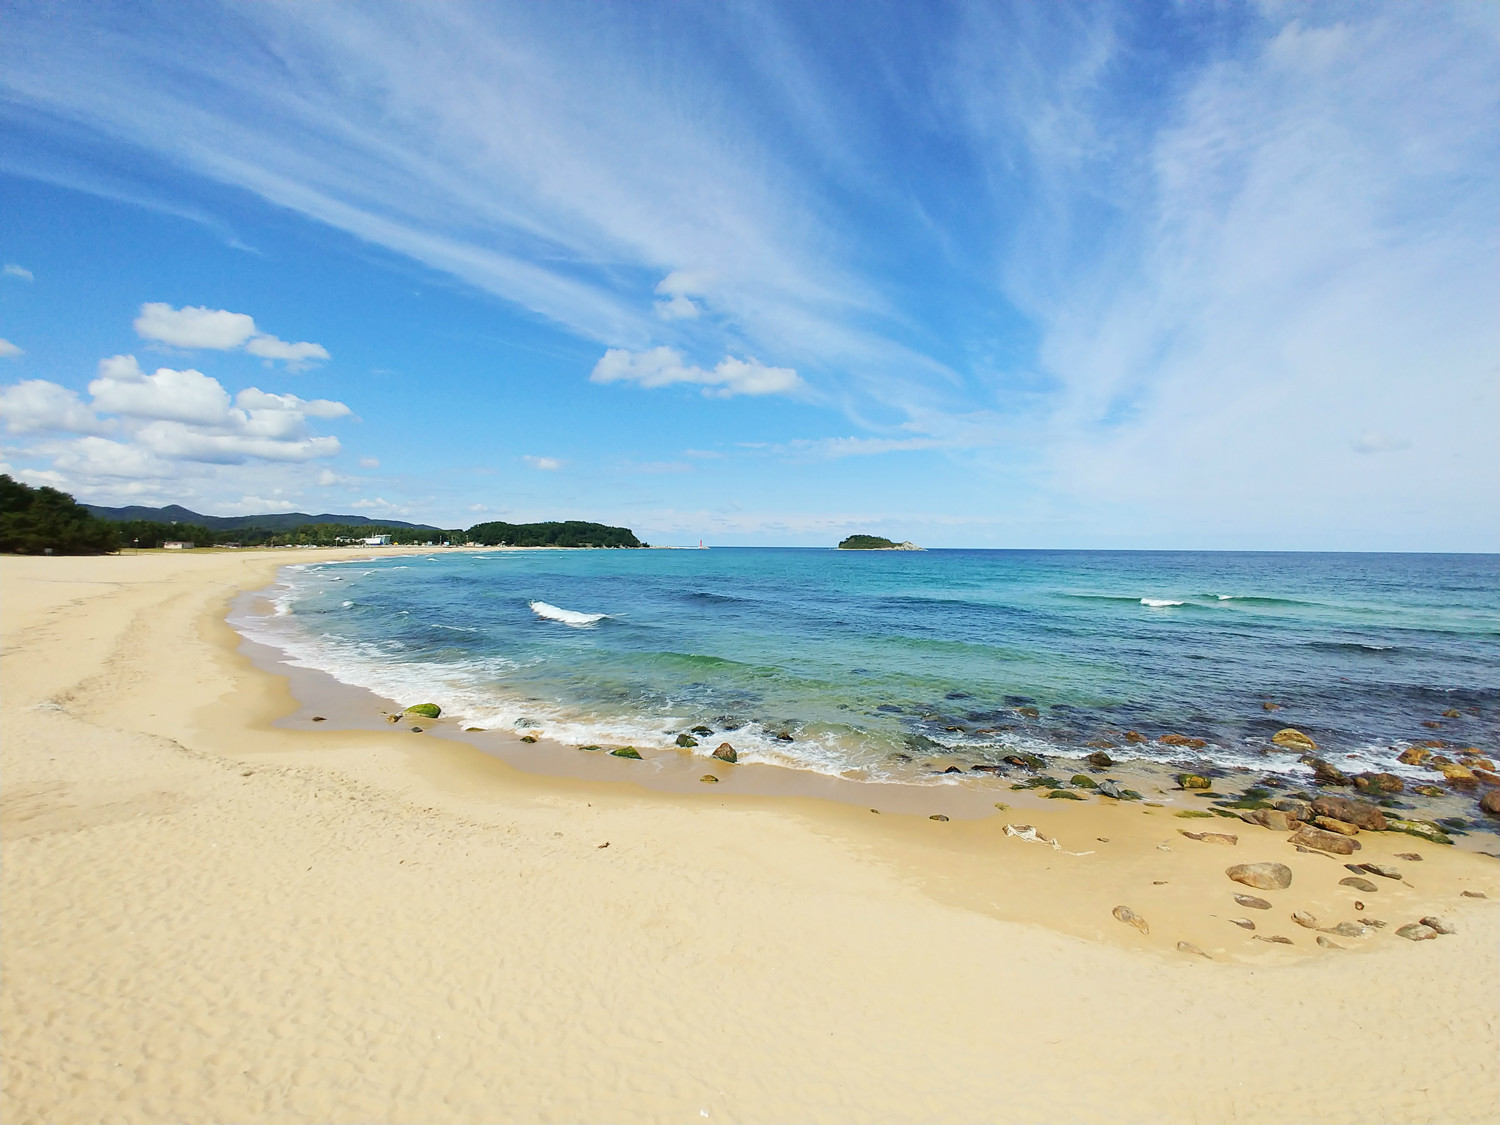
(271, 521)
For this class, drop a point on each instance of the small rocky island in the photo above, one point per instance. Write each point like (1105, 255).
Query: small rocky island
(876, 543)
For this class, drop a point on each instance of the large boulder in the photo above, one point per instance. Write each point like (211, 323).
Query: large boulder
(725, 753)
(1460, 777)
(426, 710)
(1361, 814)
(1378, 783)
(1326, 773)
(1414, 756)
(1319, 840)
(1293, 739)
(1261, 876)
(1274, 819)
(1490, 802)
(686, 741)
(1342, 827)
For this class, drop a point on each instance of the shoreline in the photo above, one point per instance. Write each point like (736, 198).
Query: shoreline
(852, 966)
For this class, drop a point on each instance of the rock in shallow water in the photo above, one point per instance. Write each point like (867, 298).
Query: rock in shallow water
(1261, 876)
(726, 753)
(1131, 918)
(1293, 739)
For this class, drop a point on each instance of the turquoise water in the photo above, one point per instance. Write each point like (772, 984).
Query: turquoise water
(882, 664)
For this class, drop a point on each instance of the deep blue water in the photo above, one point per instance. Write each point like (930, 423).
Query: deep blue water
(867, 658)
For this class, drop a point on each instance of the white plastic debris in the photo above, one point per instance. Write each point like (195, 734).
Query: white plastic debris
(1029, 833)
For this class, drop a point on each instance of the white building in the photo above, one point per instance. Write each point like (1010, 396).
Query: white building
(377, 541)
(177, 545)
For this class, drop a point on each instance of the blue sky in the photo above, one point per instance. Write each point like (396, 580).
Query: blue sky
(1024, 274)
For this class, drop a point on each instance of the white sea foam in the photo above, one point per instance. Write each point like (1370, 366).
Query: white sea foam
(345, 605)
(1159, 603)
(569, 617)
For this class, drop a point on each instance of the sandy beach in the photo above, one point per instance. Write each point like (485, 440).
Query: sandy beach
(210, 917)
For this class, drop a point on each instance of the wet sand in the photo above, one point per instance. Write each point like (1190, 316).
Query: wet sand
(216, 909)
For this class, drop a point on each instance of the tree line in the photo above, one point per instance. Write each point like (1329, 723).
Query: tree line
(34, 521)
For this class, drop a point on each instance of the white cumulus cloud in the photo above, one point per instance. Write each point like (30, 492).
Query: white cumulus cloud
(219, 330)
(37, 406)
(664, 367)
(9, 350)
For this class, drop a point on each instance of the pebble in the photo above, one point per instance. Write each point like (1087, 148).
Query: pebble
(1131, 918)
(937, 816)
(1379, 869)
(1211, 837)
(1347, 929)
(1262, 876)
(1474, 894)
(1415, 931)
(1304, 919)
(1252, 902)
(1276, 938)
(709, 779)
(1327, 943)
(1189, 947)
(1243, 923)
(1441, 925)
(1358, 884)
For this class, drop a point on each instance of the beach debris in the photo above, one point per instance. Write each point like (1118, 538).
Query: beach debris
(1441, 925)
(1131, 918)
(726, 753)
(1192, 780)
(1189, 947)
(1252, 902)
(627, 752)
(1328, 943)
(1243, 923)
(426, 710)
(686, 741)
(1100, 759)
(1342, 827)
(1358, 884)
(709, 779)
(1415, 931)
(1276, 939)
(1473, 894)
(1293, 739)
(1381, 869)
(603, 845)
(937, 816)
(1361, 814)
(1346, 929)
(1317, 838)
(1304, 919)
(1261, 876)
(1211, 837)
(1028, 833)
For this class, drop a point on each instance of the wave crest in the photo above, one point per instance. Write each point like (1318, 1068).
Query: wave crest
(570, 617)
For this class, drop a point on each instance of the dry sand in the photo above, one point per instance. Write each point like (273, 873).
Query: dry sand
(209, 918)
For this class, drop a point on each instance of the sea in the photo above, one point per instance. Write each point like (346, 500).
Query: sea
(888, 666)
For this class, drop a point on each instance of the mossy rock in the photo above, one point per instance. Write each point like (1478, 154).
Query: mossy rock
(1040, 783)
(1194, 813)
(1063, 795)
(709, 779)
(1429, 791)
(1194, 781)
(686, 741)
(702, 731)
(1084, 781)
(591, 748)
(426, 710)
(1131, 795)
(627, 752)
(1422, 829)
(528, 738)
